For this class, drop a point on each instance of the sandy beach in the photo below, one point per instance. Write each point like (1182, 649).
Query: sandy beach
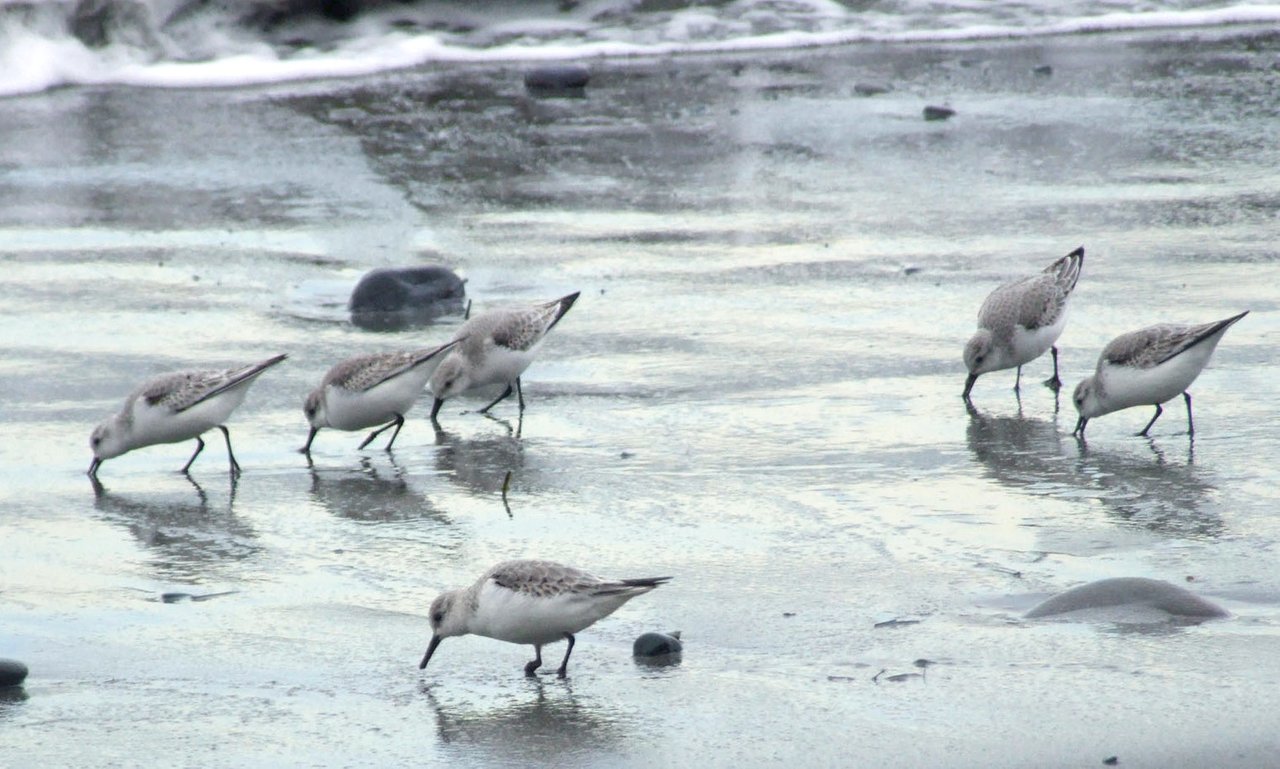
(758, 393)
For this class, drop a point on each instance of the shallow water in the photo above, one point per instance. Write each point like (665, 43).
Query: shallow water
(757, 393)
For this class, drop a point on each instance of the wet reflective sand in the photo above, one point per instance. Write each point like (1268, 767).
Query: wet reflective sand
(758, 392)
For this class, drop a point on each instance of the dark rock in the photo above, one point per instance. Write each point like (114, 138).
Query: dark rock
(938, 113)
(12, 673)
(393, 298)
(1129, 591)
(657, 645)
(1111, 760)
(1044, 70)
(557, 80)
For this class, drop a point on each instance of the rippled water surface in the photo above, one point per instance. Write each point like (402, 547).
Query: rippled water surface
(757, 393)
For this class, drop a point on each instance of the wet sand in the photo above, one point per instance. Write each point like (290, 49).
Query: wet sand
(758, 393)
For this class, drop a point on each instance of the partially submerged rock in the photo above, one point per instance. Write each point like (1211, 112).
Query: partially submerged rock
(12, 673)
(393, 298)
(657, 646)
(1130, 591)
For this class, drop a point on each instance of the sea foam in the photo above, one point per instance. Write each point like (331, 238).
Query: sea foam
(41, 47)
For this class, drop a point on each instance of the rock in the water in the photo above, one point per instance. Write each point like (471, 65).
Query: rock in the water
(12, 672)
(1129, 591)
(657, 645)
(938, 113)
(1044, 70)
(398, 297)
(554, 79)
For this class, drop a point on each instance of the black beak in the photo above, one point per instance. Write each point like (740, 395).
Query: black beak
(431, 649)
(435, 408)
(310, 437)
(1080, 423)
(968, 385)
(93, 468)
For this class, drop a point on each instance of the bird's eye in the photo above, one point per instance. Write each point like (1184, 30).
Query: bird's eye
(978, 359)
(437, 618)
(97, 441)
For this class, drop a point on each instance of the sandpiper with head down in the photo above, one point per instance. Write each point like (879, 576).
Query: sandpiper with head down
(531, 602)
(1020, 320)
(495, 347)
(176, 407)
(370, 390)
(1147, 368)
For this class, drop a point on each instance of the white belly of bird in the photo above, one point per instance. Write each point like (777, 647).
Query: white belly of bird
(1126, 386)
(158, 424)
(502, 365)
(376, 406)
(523, 619)
(1029, 345)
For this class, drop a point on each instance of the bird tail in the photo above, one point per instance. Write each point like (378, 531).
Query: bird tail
(424, 355)
(245, 374)
(631, 586)
(561, 306)
(1067, 269)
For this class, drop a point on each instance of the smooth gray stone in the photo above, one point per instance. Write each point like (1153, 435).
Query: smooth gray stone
(12, 672)
(1129, 591)
(657, 644)
(398, 297)
(938, 113)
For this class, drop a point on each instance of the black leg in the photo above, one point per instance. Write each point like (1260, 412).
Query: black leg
(1159, 411)
(520, 395)
(1191, 428)
(1017, 381)
(1080, 424)
(226, 434)
(396, 423)
(199, 448)
(497, 400)
(1053, 382)
(310, 437)
(534, 663)
(564, 666)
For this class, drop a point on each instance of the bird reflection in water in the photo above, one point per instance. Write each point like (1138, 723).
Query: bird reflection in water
(372, 494)
(543, 719)
(1147, 489)
(485, 465)
(189, 539)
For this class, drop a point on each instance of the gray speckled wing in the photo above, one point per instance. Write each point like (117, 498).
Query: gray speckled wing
(1033, 302)
(542, 579)
(365, 371)
(1151, 346)
(515, 328)
(181, 390)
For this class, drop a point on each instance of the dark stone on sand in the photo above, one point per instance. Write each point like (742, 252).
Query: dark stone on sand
(932, 112)
(870, 89)
(657, 645)
(1044, 70)
(1129, 591)
(557, 79)
(393, 298)
(12, 673)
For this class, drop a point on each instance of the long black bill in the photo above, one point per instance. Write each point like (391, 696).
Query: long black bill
(431, 649)
(435, 408)
(93, 468)
(968, 385)
(1080, 423)
(310, 437)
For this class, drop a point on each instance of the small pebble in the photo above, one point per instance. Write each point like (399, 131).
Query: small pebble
(870, 89)
(1044, 70)
(12, 673)
(938, 113)
(557, 78)
(1111, 760)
